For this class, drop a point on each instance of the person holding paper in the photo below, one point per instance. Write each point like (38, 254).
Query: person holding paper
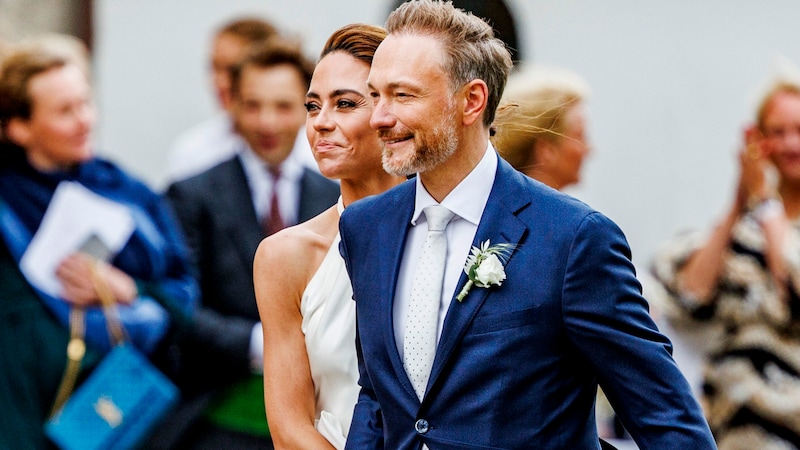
(47, 167)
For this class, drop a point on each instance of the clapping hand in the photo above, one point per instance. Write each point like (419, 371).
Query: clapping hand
(756, 179)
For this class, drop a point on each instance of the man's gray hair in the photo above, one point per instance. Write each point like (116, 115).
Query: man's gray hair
(473, 51)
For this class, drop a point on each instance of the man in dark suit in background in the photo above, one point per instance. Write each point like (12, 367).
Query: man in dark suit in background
(225, 212)
(510, 355)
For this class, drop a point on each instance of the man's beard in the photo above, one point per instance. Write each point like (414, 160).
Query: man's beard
(431, 149)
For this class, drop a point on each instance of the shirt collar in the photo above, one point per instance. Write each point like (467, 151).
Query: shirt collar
(254, 167)
(469, 197)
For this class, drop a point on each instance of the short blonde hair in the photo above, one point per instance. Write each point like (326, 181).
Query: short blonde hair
(532, 109)
(784, 79)
(18, 68)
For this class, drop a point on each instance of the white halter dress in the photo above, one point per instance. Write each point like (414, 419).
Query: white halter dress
(329, 326)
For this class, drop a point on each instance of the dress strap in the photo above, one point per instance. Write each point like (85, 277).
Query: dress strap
(340, 205)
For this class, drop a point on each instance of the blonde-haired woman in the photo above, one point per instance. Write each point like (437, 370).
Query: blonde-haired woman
(741, 280)
(47, 118)
(540, 127)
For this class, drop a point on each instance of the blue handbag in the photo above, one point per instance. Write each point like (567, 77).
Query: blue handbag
(118, 405)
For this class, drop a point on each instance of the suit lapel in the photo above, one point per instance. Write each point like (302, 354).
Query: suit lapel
(390, 257)
(499, 224)
(237, 211)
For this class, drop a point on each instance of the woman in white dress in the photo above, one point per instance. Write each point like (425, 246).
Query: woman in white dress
(303, 292)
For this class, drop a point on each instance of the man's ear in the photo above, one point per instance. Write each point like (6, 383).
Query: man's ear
(18, 131)
(475, 94)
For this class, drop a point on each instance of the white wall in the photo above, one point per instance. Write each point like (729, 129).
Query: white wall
(672, 86)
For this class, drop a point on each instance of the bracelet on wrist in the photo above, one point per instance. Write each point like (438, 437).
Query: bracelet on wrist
(766, 208)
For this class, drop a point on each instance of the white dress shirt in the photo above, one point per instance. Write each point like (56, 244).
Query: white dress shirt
(467, 201)
(260, 181)
(215, 140)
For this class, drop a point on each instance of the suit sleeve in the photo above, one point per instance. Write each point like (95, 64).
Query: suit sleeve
(366, 429)
(177, 290)
(227, 337)
(608, 321)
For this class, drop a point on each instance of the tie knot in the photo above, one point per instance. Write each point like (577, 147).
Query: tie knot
(274, 172)
(438, 217)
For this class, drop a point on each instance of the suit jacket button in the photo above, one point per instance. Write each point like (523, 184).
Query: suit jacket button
(421, 426)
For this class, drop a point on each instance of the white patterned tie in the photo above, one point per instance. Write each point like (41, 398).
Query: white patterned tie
(419, 341)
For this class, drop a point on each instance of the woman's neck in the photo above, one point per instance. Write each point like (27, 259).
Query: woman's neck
(357, 189)
(46, 165)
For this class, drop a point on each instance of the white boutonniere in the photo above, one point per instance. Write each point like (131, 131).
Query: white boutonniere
(485, 266)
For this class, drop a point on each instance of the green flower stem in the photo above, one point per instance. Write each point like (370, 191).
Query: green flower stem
(464, 291)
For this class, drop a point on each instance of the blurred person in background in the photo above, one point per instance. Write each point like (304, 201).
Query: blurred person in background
(541, 125)
(306, 302)
(740, 282)
(214, 140)
(47, 118)
(225, 212)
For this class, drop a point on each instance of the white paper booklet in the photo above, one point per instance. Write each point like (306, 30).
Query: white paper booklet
(76, 219)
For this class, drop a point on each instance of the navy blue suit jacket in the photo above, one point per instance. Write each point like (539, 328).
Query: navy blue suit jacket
(517, 366)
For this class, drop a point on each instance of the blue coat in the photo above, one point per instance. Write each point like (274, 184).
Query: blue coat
(154, 256)
(517, 366)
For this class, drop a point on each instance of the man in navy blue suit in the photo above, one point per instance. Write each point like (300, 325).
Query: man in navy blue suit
(552, 307)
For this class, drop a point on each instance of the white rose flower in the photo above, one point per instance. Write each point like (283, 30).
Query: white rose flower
(484, 266)
(490, 272)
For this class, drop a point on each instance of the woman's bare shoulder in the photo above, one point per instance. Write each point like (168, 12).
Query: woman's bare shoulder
(299, 250)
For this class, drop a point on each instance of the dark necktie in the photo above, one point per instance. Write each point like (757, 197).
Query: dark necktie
(273, 222)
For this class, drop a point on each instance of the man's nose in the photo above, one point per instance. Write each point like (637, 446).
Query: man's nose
(382, 116)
